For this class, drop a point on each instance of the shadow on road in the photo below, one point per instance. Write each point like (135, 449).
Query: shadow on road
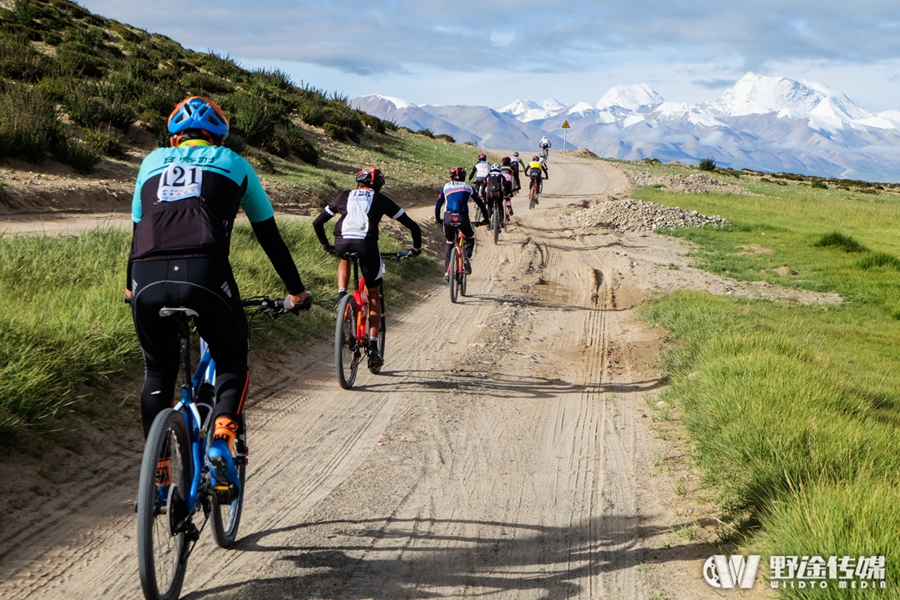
(504, 558)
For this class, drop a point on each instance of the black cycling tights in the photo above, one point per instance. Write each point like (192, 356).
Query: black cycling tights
(207, 286)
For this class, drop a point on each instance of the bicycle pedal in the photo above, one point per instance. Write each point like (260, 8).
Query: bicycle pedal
(226, 494)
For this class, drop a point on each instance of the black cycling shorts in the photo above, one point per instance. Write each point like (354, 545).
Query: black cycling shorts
(370, 262)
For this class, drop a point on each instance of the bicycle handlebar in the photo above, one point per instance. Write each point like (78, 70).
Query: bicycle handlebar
(395, 256)
(271, 307)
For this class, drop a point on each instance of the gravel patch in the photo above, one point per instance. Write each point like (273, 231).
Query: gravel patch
(634, 215)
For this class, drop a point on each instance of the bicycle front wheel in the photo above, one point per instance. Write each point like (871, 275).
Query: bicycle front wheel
(382, 335)
(163, 515)
(463, 280)
(227, 517)
(347, 352)
(454, 274)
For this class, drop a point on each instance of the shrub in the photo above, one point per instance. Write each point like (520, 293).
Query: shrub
(253, 116)
(263, 163)
(372, 122)
(204, 84)
(73, 62)
(340, 133)
(277, 146)
(275, 78)
(819, 184)
(29, 124)
(312, 113)
(446, 137)
(106, 141)
(90, 105)
(236, 143)
(839, 240)
(300, 146)
(82, 157)
(879, 259)
(19, 60)
(707, 164)
(222, 66)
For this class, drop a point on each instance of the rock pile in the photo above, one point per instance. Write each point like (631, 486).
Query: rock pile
(633, 215)
(697, 183)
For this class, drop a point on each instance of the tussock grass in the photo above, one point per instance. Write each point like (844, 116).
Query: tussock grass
(65, 332)
(879, 259)
(838, 240)
(794, 411)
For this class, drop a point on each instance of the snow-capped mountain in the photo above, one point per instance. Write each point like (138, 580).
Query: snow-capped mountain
(527, 110)
(636, 98)
(764, 123)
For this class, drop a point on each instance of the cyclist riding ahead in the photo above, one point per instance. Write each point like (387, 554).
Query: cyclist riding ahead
(456, 194)
(356, 230)
(184, 205)
(535, 170)
(480, 172)
(544, 145)
(512, 181)
(513, 164)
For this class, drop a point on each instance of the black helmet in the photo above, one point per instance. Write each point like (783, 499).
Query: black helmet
(371, 177)
(458, 174)
(482, 156)
(505, 161)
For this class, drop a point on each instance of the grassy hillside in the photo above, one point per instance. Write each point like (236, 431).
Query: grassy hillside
(794, 411)
(80, 89)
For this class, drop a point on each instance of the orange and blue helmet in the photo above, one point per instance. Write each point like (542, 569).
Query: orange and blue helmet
(200, 113)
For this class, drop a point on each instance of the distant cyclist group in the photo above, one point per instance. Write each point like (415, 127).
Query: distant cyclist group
(184, 206)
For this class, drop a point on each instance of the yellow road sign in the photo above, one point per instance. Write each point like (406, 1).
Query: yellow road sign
(565, 125)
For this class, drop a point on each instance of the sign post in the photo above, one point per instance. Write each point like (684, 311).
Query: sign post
(565, 127)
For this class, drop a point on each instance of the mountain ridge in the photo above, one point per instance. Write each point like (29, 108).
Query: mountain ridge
(764, 123)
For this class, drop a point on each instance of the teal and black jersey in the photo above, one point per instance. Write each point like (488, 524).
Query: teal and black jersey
(186, 199)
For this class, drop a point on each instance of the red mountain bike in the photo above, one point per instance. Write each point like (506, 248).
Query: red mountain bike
(458, 268)
(351, 333)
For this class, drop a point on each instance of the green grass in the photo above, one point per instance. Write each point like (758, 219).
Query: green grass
(65, 333)
(793, 411)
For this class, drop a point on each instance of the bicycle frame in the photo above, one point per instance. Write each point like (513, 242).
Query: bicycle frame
(190, 410)
(460, 244)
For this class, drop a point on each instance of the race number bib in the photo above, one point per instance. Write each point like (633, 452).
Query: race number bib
(179, 181)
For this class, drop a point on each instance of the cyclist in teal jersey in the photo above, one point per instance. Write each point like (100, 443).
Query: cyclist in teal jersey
(185, 201)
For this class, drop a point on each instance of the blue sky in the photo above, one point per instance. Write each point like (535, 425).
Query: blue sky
(491, 53)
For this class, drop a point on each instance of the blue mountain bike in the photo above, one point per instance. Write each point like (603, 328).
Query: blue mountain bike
(176, 483)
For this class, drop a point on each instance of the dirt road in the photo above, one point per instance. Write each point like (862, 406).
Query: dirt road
(507, 448)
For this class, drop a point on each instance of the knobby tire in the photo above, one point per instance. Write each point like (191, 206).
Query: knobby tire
(347, 352)
(382, 336)
(454, 275)
(227, 517)
(495, 222)
(162, 554)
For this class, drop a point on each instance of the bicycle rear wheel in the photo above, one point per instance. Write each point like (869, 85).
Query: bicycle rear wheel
(347, 352)
(163, 514)
(382, 336)
(454, 274)
(532, 194)
(227, 517)
(495, 221)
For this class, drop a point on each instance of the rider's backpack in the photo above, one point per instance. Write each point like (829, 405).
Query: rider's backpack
(494, 185)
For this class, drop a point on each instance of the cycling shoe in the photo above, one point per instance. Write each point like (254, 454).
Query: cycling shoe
(225, 479)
